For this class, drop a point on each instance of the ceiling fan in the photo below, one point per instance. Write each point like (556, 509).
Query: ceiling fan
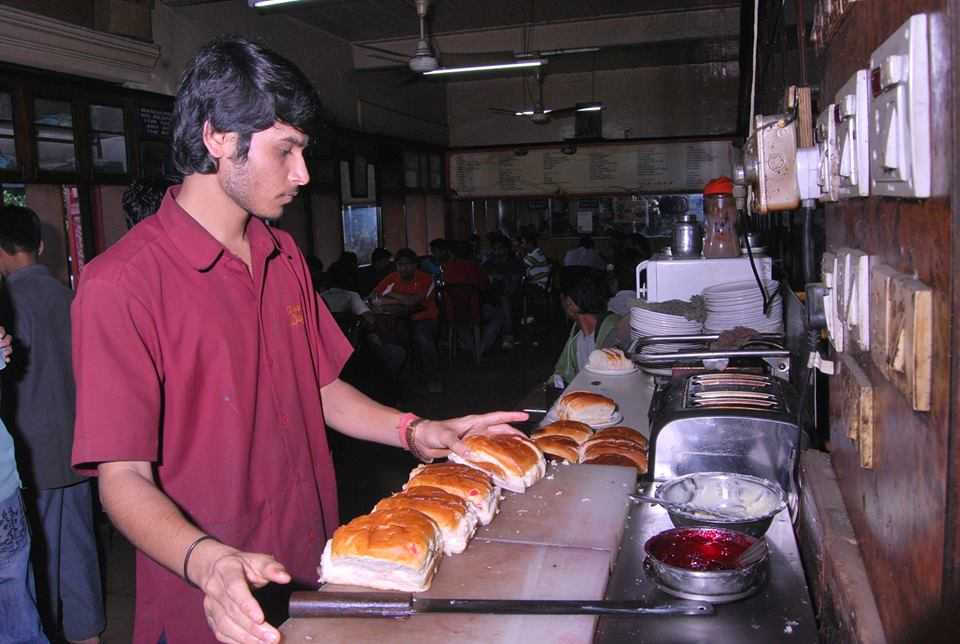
(541, 115)
(425, 61)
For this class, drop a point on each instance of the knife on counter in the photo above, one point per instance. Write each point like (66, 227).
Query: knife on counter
(401, 605)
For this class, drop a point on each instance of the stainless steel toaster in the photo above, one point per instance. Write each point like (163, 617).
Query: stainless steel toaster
(726, 422)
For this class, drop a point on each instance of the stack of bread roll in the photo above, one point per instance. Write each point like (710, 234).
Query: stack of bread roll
(576, 442)
(399, 545)
(562, 439)
(616, 446)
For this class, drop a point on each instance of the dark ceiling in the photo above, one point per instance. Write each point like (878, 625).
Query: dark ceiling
(365, 20)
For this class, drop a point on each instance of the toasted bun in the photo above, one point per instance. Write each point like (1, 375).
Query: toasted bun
(455, 517)
(623, 433)
(586, 407)
(612, 459)
(471, 485)
(609, 360)
(567, 428)
(595, 449)
(390, 550)
(558, 446)
(514, 462)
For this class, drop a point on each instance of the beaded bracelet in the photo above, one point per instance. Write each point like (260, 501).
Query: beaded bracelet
(403, 425)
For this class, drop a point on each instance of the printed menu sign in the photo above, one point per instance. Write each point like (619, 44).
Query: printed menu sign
(155, 123)
(684, 166)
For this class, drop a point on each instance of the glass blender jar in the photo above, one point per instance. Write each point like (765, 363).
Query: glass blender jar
(720, 220)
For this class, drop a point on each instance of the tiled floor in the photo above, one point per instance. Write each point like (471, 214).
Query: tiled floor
(497, 383)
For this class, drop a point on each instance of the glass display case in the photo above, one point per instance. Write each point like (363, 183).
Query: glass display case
(8, 146)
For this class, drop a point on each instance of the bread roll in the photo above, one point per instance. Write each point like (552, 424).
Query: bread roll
(609, 360)
(456, 517)
(389, 550)
(514, 462)
(586, 407)
(593, 450)
(614, 459)
(560, 447)
(579, 432)
(471, 485)
(623, 433)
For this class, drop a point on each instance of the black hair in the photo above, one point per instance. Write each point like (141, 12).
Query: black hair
(461, 249)
(586, 241)
(237, 86)
(379, 253)
(405, 254)
(20, 230)
(531, 237)
(341, 276)
(143, 198)
(586, 287)
(625, 270)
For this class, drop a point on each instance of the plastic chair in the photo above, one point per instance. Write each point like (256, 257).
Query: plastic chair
(461, 313)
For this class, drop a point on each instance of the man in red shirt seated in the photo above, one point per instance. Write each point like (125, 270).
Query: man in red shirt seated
(410, 292)
(207, 368)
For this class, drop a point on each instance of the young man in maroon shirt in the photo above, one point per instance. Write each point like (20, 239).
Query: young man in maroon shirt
(206, 367)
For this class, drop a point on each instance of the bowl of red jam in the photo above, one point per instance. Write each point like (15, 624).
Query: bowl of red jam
(703, 563)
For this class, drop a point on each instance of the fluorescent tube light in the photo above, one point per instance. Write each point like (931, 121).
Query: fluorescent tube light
(590, 107)
(537, 62)
(259, 4)
(530, 113)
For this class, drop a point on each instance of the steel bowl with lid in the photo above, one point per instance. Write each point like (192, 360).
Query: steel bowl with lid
(723, 499)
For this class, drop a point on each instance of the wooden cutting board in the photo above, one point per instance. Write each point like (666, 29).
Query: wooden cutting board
(487, 570)
(580, 506)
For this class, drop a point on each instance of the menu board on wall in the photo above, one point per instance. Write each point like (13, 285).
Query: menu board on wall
(684, 166)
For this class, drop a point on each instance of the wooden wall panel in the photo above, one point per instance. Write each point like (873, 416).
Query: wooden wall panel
(393, 222)
(898, 508)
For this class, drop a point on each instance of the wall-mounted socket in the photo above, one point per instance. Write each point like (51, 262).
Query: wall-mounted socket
(828, 169)
(853, 136)
(900, 113)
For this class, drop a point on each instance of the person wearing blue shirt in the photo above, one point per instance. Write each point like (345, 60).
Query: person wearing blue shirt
(19, 619)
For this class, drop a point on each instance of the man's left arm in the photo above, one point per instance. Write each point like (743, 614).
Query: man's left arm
(351, 412)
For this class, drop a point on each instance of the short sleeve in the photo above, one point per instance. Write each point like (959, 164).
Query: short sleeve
(332, 347)
(118, 372)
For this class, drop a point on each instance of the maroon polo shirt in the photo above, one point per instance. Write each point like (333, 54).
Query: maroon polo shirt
(185, 359)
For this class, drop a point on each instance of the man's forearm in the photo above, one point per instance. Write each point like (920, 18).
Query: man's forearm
(150, 520)
(351, 412)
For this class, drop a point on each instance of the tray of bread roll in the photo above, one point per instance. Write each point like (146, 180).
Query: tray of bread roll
(503, 525)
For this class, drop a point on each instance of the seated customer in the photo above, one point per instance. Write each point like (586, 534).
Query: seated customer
(381, 265)
(409, 292)
(345, 304)
(583, 295)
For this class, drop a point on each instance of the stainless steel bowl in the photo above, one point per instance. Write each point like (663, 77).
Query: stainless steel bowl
(716, 586)
(725, 492)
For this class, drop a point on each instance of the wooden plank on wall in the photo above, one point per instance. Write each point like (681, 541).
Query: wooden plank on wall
(898, 509)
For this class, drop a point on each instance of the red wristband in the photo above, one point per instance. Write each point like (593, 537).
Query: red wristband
(402, 425)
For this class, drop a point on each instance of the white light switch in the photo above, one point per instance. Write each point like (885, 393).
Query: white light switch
(828, 170)
(853, 136)
(900, 113)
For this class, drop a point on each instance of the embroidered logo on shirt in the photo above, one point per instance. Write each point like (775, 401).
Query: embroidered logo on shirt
(295, 313)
